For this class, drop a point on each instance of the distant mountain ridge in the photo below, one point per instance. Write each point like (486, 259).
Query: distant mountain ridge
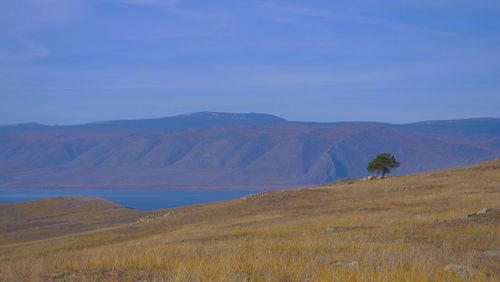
(227, 150)
(174, 123)
(189, 121)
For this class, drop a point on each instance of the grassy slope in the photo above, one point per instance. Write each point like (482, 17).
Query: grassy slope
(399, 228)
(47, 218)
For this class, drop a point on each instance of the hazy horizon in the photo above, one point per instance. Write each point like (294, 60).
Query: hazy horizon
(306, 121)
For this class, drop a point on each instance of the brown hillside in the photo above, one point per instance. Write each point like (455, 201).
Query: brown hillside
(58, 216)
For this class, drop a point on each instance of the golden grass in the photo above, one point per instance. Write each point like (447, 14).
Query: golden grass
(47, 218)
(397, 229)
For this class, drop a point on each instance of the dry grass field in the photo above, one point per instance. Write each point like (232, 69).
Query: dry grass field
(405, 228)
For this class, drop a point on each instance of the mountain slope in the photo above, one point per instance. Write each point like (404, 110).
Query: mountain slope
(219, 150)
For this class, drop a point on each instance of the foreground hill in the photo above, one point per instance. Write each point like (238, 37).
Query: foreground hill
(217, 150)
(405, 228)
(20, 222)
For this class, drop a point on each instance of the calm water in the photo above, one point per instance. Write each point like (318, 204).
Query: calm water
(137, 199)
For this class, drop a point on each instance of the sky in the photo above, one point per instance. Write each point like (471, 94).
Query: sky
(399, 61)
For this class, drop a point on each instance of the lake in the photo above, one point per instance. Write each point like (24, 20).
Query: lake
(138, 199)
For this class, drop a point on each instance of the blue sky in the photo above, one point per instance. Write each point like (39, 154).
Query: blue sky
(77, 61)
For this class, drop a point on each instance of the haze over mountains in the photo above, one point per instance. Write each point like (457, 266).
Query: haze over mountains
(224, 150)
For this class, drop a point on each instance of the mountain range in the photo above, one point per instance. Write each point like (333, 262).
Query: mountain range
(211, 150)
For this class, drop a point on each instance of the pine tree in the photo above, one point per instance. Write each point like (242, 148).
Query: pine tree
(383, 163)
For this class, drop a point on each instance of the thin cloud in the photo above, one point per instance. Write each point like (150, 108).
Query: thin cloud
(160, 3)
(324, 45)
(23, 50)
(174, 7)
(304, 11)
(21, 15)
(260, 77)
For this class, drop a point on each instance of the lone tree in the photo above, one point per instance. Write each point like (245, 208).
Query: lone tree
(383, 163)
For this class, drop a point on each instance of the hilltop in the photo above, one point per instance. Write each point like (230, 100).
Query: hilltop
(21, 222)
(230, 151)
(402, 228)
